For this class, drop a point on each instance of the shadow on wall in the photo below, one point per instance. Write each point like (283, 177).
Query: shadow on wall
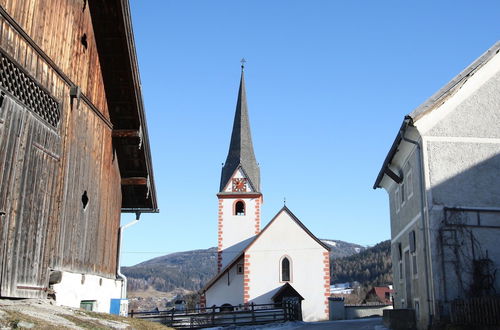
(466, 231)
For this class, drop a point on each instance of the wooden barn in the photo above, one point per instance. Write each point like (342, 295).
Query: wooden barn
(74, 149)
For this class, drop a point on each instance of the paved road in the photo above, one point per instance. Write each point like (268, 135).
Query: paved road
(361, 324)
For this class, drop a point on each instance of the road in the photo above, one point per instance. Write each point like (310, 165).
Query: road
(374, 323)
(360, 324)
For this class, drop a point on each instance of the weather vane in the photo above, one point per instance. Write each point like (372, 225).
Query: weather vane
(243, 61)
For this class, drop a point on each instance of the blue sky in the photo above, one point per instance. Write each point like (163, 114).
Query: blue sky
(328, 85)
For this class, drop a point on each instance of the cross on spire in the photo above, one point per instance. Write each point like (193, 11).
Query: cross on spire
(243, 61)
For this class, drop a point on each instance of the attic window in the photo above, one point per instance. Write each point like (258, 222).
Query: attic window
(239, 208)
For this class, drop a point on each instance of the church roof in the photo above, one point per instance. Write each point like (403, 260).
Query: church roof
(255, 238)
(241, 147)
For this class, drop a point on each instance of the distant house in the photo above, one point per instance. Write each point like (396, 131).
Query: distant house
(382, 294)
(341, 288)
(74, 150)
(282, 262)
(442, 175)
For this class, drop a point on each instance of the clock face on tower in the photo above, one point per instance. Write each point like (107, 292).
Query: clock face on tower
(240, 184)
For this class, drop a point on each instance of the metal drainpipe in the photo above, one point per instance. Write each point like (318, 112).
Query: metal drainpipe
(120, 275)
(424, 227)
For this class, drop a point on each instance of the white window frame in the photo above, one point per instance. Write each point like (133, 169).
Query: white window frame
(409, 187)
(397, 199)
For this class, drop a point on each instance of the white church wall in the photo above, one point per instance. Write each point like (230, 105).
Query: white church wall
(236, 228)
(285, 237)
(226, 291)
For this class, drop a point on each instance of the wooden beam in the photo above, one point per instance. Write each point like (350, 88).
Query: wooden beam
(125, 133)
(134, 181)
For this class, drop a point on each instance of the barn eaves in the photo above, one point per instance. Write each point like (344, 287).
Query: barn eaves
(115, 44)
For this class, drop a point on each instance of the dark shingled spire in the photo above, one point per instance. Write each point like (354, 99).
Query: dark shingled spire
(241, 147)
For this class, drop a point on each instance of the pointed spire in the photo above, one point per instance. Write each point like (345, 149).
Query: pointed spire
(241, 148)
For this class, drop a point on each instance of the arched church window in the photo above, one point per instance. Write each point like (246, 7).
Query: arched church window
(285, 269)
(239, 208)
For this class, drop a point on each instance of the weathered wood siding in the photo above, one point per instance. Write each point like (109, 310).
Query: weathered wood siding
(45, 170)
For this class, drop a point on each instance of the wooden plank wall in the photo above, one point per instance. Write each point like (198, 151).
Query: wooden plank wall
(75, 239)
(57, 27)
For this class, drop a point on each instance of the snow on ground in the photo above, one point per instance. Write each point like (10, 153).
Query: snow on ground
(365, 323)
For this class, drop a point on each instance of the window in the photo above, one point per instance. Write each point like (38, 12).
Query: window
(285, 269)
(239, 208)
(400, 256)
(397, 199)
(402, 192)
(414, 263)
(239, 268)
(411, 238)
(409, 183)
(413, 251)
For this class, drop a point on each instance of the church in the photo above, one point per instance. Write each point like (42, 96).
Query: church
(282, 262)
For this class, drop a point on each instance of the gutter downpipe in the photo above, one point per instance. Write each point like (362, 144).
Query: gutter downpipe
(409, 121)
(123, 294)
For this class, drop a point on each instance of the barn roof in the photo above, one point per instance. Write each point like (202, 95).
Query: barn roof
(241, 152)
(115, 44)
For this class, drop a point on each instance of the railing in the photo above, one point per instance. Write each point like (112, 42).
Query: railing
(251, 314)
(476, 311)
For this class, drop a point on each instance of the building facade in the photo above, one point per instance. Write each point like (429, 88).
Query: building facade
(74, 150)
(284, 261)
(442, 176)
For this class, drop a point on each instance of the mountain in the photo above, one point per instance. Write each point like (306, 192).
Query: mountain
(190, 270)
(372, 267)
(341, 249)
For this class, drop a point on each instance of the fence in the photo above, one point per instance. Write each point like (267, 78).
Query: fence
(252, 314)
(476, 311)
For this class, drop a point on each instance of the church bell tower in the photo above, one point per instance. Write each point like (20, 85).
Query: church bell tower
(239, 194)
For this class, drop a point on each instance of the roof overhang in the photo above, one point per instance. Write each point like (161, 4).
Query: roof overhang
(115, 44)
(434, 102)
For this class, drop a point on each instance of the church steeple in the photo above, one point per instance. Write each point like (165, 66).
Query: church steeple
(241, 148)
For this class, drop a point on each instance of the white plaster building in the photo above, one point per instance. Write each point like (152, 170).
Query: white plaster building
(442, 175)
(284, 261)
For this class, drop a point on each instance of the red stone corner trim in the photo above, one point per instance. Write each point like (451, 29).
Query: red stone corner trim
(326, 277)
(219, 237)
(257, 215)
(246, 278)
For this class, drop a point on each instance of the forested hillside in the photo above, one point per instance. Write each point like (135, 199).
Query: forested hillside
(187, 270)
(372, 266)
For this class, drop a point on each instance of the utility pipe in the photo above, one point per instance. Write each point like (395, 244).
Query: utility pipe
(425, 228)
(120, 275)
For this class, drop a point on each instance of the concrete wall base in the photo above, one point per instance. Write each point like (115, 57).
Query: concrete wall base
(74, 288)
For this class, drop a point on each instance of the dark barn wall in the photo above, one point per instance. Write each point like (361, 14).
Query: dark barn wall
(45, 168)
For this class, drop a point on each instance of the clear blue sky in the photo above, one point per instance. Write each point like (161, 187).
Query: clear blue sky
(328, 85)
